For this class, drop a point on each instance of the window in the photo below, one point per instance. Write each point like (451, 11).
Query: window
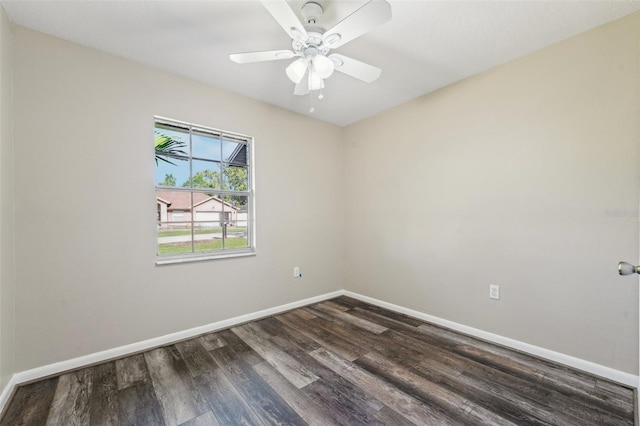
(204, 193)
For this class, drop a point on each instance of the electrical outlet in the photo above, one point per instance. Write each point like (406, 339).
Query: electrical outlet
(296, 272)
(494, 291)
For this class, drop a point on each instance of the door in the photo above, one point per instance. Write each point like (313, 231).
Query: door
(625, 268)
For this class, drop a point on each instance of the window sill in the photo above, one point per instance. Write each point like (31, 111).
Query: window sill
(172, 260)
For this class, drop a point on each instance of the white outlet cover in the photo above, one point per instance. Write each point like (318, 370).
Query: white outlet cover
(494, 291)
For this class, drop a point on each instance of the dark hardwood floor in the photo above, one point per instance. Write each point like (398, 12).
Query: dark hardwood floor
(339, 362)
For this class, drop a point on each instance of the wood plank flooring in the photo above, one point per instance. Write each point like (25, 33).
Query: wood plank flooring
(339, 362)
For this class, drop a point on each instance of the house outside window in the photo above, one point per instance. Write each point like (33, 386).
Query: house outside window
(204, 192)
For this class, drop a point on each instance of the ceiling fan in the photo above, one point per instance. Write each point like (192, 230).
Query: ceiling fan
(311, 43)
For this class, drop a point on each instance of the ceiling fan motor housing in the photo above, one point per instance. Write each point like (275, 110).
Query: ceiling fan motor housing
(313, 45)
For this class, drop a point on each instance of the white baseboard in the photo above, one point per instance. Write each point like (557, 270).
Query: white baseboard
(109, 354)
(7, 392)
(577, 363)
(119, 352)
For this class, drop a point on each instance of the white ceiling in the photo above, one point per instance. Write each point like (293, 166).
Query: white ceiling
(426, 45)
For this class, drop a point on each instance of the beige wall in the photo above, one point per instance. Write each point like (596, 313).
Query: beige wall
(7, 223)
(84, 164)
(505, 178)
(7, 217)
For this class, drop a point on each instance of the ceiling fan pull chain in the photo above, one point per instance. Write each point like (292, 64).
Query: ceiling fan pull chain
(311, 108)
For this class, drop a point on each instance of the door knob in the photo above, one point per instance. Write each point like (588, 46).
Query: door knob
(625, 268)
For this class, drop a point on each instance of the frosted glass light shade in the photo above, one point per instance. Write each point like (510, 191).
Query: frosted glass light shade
(296, 70)
(323, 66)
(315, 80)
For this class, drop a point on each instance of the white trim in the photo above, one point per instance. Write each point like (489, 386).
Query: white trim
(228, 254)
(577, 363)
(119, 352)
(86, 360)
(6, 392)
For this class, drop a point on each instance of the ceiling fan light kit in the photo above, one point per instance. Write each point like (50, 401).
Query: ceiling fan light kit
(316, 82)
(323, 66)
(296, 70)
(311, 43)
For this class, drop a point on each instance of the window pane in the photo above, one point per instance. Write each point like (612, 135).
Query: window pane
(234, 153)
(208, 236)
(212, 218)
(172, 171)
(236, 202)
(205, 146)
(170, 140)
(174, 237)
(172, 210)
(236, 208)
(237, 231)
(210, 208)
(206, 174)
(236, 178)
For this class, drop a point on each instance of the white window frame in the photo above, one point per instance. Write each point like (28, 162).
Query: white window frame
(167, 259)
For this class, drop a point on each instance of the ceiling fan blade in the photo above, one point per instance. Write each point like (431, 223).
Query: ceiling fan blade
(363, 20)
(268, 55)
(354, 68)
(302, 88)
(282, 13)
